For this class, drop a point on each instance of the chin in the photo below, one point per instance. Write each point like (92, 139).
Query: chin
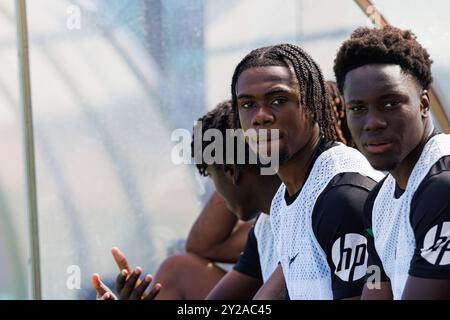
(264, 151)
(384, 165)
(284, 158)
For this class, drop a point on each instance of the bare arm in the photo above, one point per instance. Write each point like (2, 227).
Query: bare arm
(274, 288)
(235, 286)
(217, 234)
(426, 289)
(380, 291)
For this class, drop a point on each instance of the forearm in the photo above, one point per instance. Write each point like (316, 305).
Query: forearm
(235, 286)
(380, 291)
(230, 249)
(274, 288)
(426, 289)
(213, 227)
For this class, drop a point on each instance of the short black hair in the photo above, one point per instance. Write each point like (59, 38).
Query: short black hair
(388, 45)
(220, 118)
(313, 90)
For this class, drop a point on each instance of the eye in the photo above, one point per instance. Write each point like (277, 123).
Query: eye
(356, 108)
(391, 105)
(246, 105)
(279, 101)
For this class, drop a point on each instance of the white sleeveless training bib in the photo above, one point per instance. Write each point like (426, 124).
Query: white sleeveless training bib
(304, 263)
(394, 237)
(266, 247)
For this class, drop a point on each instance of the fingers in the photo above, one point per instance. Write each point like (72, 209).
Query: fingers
(95, 280)
(99, 286)
(103, 292)
(154, 292)
(130, 283)
(108, 296)
(140, 289)
(120, 259)
(127, 286)
(121, 280)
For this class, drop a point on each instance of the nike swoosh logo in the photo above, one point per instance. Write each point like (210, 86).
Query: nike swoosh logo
(291, 260)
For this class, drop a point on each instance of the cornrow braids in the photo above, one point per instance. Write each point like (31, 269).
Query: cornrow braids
(220, 118)
(313, 90)
(388, 45)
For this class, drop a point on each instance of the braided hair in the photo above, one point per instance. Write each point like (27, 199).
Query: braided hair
(313, 90)
(220, 118)
(338, 105)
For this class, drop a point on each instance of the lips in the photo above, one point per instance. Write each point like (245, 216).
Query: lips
(267, 140)
(265, 137)
(378, 146)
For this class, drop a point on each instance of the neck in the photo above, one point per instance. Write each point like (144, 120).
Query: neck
(403, 171)
(293, 172)
(266, 191)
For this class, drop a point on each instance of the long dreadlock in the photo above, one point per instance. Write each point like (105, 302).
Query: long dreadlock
(338, 105)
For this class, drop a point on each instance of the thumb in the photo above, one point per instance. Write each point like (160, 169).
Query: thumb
(99, 286)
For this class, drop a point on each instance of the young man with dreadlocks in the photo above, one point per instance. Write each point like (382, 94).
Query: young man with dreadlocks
(385, 75)
(316, 215)
(246, 193)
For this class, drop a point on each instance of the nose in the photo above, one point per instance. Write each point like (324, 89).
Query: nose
(262, 117)
(374, 121)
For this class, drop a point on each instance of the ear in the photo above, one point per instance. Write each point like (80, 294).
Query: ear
(425, 104)
(232, 173)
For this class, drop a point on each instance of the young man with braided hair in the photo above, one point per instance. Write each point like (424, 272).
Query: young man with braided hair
(317, 214)
(385, 75)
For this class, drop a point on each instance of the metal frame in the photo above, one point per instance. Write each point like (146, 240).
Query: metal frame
(28, 138)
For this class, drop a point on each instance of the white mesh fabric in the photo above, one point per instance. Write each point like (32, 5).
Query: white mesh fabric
(393, 234)
(266, 248)
(308, 276)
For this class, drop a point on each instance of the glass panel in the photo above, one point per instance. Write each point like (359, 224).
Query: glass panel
(111, 80)
(104, 171)
(14, 246)
(430, 23)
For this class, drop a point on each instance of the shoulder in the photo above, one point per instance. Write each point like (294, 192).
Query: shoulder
(343, 187)
(432, 197)
(437, 181)
(342, 202)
